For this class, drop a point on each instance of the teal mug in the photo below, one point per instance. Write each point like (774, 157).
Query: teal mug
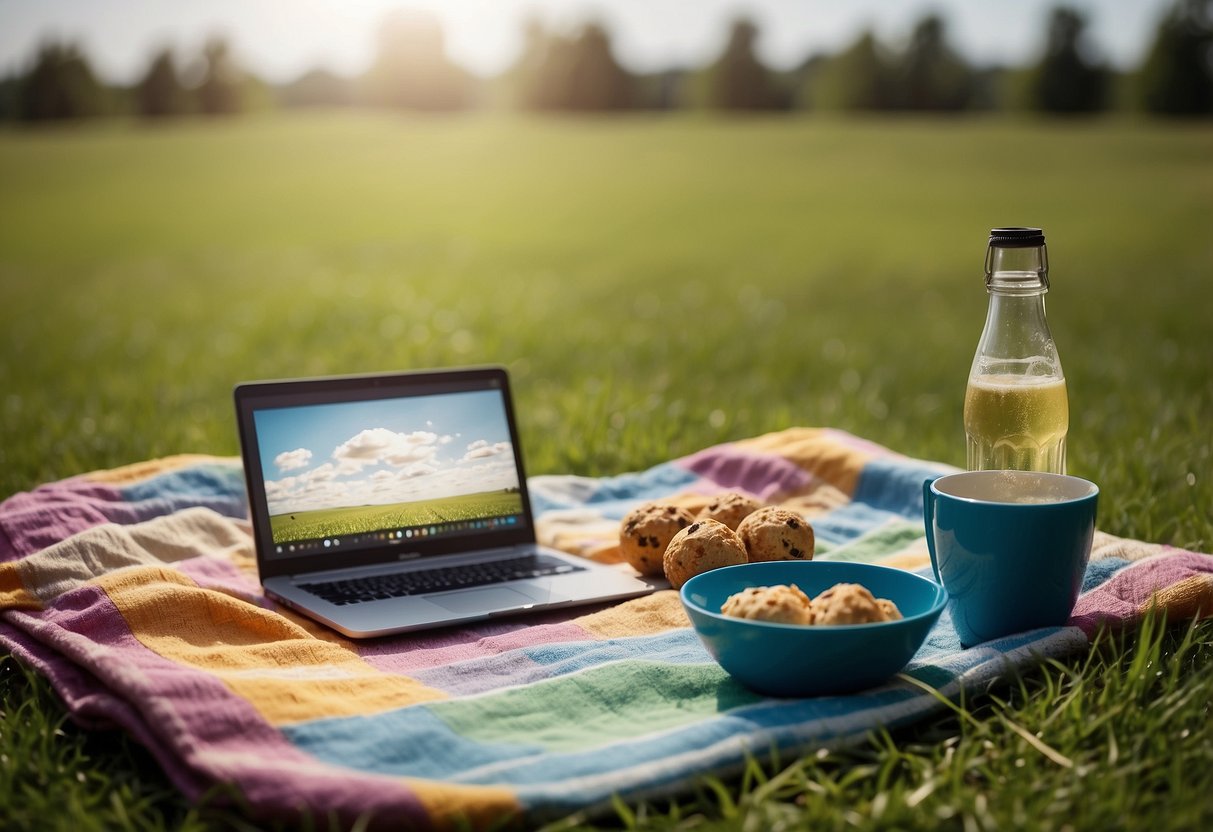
(1010, 547)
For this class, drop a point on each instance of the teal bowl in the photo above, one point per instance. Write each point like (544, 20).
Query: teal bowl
(794, 660)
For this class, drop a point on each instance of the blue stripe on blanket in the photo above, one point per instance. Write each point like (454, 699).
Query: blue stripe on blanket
(373, 743)
(613, 496)
(218, 486)
(895, 485)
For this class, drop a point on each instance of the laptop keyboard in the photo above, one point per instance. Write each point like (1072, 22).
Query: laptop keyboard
(421, 582)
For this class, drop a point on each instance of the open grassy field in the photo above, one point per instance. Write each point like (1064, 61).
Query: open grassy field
(655, 286)
(310, 525)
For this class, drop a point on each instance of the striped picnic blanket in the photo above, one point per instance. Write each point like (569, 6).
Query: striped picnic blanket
(134, 591)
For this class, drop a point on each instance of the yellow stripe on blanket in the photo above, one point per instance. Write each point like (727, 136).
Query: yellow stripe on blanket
(644, 616)
(1190, 598)
(139, 471)
(274, 664)
(457, 807)
(13, 594)
(816, 451)
(910, 559)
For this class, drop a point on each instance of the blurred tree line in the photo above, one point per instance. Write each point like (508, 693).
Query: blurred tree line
(579, 72)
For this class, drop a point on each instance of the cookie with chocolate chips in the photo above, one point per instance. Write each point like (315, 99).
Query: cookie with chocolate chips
(646, 531)
(729, 508)
(775, 533)
(703, 545)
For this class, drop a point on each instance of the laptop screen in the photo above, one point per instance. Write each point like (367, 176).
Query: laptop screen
(347, 473)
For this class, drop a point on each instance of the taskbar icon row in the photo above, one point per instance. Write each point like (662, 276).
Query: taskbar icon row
(392, 536)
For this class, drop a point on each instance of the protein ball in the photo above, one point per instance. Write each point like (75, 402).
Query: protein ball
(645, 533)
(779, 604)
(891, 613)
(847, 604)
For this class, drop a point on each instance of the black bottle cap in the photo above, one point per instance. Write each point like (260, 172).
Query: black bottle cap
(1016, 237)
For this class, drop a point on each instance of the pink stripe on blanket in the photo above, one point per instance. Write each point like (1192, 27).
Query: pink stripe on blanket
(34, 520)
(442, 647)
(94, 706)
(195, 725)
(765, 476)
(1121, 599)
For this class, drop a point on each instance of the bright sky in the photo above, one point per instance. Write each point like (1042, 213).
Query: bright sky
(281, 39)
(379, 452)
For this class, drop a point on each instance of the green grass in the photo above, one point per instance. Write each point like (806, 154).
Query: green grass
(305, 525)
(655, 286)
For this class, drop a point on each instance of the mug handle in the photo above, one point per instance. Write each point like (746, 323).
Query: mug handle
(928, 519)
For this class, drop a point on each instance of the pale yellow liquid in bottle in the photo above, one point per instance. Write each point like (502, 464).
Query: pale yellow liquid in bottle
(1017, 423)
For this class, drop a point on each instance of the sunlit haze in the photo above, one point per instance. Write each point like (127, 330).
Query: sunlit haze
(281, 39)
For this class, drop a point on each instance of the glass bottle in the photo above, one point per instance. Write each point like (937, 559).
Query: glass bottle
(1016, 414)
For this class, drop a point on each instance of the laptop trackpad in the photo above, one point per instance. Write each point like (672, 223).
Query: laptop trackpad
(471, 601)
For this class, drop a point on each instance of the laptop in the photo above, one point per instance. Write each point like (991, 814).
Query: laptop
(387, 503)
